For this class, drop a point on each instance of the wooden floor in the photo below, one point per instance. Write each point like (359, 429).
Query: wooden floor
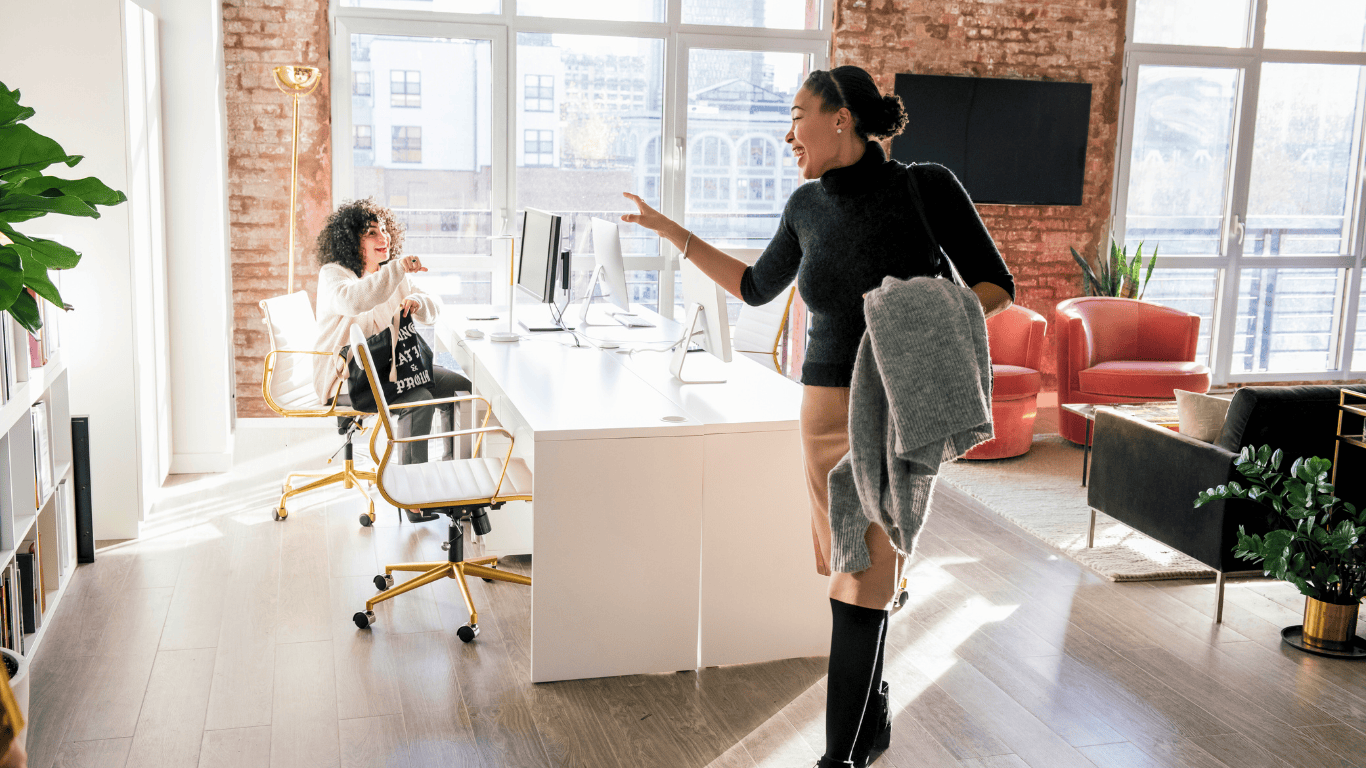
(227, 642)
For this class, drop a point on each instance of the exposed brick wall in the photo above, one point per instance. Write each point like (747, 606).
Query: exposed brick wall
(1067, 40)
(257, 36)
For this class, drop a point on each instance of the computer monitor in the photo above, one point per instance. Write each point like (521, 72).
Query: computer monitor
(611, 269)
(539, 251)
(706, 315)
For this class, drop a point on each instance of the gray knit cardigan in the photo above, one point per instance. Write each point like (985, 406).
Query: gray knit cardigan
(921, 395)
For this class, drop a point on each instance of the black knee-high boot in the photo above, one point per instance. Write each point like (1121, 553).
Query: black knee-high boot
(855, 639)
(875, 734)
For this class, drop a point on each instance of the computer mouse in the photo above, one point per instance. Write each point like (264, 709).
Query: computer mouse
(474, 333)
(608, 345)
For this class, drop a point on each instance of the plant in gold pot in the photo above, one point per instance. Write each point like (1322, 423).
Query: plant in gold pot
(1315, 542)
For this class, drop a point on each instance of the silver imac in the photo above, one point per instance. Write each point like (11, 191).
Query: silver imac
(610, 274)
(706, 316)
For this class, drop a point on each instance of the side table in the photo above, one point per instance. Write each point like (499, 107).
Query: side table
(1162, 412)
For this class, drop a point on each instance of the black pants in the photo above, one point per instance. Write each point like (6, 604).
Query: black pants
(418, 421)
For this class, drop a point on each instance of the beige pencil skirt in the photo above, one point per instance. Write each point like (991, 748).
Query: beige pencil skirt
(825, 440)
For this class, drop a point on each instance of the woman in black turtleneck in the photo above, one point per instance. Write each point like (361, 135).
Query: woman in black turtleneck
(839, 238)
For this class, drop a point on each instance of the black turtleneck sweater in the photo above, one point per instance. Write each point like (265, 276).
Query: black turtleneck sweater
(840, 236)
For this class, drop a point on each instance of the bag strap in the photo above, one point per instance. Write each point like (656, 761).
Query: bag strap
(941, 259)
(393, 344)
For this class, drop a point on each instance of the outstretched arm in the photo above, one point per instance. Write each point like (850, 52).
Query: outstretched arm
(723, 268)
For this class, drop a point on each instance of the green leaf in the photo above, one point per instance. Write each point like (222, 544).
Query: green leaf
(90, 189)
(11, 111)
(1152, 261)
(24, 207)
(1093, 284)
(23, 147)
(11, 275)
(51, 253)
(1276, 457)
(25, 311)
(35, 277)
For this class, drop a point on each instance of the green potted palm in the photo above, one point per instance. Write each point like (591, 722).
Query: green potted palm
(1315, 542)
(26, 193)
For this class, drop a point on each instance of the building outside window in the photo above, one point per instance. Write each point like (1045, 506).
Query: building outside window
(407, 143)
(539, 147)
(405, 88)
(540, 93)
(363, 137)
(360, 83)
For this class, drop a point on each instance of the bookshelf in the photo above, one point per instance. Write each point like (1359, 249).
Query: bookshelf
(37, 500)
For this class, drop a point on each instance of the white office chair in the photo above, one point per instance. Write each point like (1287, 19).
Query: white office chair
(458, 488)
(287, 386)
(758, 332)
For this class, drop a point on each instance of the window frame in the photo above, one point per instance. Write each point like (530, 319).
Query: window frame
(501, 29)
(407, 142)
(1232, 262)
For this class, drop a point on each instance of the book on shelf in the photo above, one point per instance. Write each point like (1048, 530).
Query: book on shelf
(63, 534)
(14, 625)
(6, 367)
(36, 549)
(18, 346)
(30, 610)
(44, 469)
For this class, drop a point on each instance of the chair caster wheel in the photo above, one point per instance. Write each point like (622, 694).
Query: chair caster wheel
(365, 521)
(364, 619)
(384, 581)
(493, 566)
(278, 514)
(901, 599)
(468, 632)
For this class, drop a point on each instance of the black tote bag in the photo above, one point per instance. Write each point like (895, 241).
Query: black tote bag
(403, 361)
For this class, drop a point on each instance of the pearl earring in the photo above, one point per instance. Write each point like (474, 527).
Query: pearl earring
(839, 130)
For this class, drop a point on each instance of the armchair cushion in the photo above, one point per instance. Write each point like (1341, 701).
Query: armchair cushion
(1012, 382)
(1143, 378)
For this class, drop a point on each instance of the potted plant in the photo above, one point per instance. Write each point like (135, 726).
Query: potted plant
(27, 193)
(1119, 275)
(1315, 541)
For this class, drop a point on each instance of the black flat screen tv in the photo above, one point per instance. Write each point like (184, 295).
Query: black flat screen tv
(1013, 142)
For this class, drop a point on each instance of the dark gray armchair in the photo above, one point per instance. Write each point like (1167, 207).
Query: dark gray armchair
(1147, 476)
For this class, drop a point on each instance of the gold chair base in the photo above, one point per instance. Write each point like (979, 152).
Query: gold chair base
(348, 476)
(476, 566)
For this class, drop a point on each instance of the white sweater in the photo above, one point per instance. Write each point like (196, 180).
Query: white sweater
(370, 301)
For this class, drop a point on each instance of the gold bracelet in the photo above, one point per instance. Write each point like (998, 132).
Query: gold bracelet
(686, 243)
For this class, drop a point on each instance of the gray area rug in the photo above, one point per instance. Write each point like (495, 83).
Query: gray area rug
(1041, 492)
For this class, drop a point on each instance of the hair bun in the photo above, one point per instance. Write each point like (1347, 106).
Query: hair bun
(892, 120)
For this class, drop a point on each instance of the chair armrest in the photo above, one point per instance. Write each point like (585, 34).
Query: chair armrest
(444, 435)
(438, 401)
(1148, 476)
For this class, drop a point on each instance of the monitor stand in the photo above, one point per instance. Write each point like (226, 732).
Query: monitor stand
(696, 323)
(622, 317)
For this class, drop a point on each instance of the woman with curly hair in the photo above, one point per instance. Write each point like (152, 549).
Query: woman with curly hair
(364, 280)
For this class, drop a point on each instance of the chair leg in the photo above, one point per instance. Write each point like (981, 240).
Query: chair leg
(1219, 598)
(1091, 531)
(442, 571)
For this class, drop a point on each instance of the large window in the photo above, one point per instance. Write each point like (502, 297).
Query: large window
(1241, 163)
(360, 83)
(519, 112)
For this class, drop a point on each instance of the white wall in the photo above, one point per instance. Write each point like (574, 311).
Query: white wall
(194, 130)
(66, 56)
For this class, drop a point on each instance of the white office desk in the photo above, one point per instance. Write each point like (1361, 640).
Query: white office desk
(658, 546)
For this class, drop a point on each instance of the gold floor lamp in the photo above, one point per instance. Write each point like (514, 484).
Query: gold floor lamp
(297, 81)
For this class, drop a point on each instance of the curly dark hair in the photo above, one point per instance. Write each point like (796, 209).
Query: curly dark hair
(339, 240)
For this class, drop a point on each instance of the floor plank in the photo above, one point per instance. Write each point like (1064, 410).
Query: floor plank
(303, 729)
(374, 742)
(236, 748)
(171, 720)
(109, 753)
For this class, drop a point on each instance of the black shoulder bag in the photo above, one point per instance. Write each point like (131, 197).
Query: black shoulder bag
(943, 264)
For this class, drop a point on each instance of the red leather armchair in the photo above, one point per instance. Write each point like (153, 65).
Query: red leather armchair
(1015, 338)
(1114, 350)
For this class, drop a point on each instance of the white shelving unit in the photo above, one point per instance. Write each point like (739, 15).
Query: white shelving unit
(21, 509)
